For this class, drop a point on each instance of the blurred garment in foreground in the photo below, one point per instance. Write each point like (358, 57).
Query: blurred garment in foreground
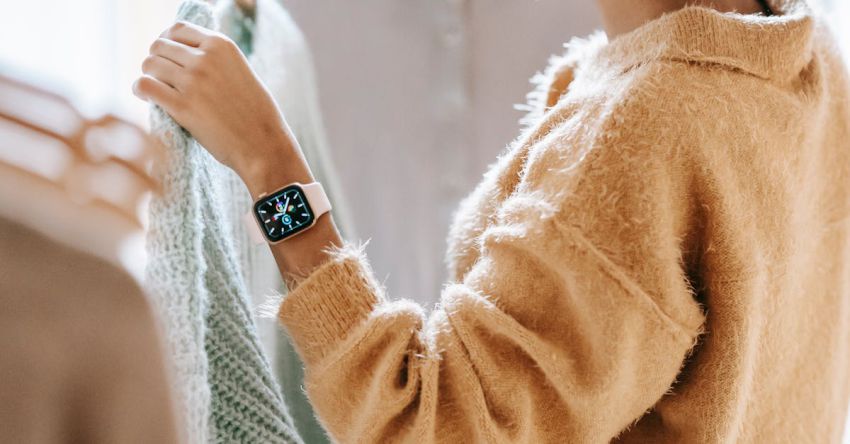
(82, 360)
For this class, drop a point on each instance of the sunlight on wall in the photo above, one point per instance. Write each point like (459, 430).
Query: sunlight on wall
(88, 50)
(838, 12)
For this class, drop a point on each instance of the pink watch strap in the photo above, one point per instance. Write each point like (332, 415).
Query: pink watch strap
(316, 198)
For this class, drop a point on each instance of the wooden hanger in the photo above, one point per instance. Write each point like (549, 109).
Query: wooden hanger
(54, 116)
(94, 149)
(77, 180)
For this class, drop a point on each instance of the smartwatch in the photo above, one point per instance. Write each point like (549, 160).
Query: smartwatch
(289, 211)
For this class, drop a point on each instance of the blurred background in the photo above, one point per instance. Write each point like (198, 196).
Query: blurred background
(417, 96)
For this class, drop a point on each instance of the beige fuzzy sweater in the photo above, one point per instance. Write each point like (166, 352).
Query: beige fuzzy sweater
(663, 256)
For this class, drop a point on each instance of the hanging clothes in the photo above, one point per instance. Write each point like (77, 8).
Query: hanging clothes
(80, 356)
(227, 390)
(278, 53)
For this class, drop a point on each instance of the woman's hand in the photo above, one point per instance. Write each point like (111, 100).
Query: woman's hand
(201, 78)
(204, 82)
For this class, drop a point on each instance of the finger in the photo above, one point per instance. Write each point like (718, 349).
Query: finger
(186, 33)
(164, 70)
(177, 52)
(152, 90)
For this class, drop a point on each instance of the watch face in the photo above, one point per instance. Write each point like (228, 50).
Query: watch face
(284, 213)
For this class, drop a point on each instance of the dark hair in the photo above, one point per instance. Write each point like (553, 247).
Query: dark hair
(765, 7)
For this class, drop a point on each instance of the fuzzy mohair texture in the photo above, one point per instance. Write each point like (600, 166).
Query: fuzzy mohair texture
(662, 256)
(225, 388)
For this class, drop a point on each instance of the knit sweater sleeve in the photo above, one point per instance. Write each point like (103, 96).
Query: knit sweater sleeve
(573, 322)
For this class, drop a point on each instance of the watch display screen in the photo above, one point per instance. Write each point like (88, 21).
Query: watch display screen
(284, 213)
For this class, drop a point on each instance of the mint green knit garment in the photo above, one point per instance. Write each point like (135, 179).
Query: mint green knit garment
(224, 385)
(276, 49)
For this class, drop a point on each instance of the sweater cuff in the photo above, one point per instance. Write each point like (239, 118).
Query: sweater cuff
(329, 303)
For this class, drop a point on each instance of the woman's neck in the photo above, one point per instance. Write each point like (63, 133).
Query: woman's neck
(622, 16)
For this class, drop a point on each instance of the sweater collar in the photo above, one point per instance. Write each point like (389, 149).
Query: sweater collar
(773, 47)
(776, 47)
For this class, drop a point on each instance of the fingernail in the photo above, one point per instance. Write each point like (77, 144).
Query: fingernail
(136, 90)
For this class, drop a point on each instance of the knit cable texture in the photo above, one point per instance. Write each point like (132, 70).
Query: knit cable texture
(280, 57)
(225, 388)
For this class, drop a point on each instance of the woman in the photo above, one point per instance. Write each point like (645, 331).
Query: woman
(662, 256)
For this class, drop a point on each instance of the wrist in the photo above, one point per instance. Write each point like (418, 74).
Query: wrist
(272, 165)
(299, 255)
